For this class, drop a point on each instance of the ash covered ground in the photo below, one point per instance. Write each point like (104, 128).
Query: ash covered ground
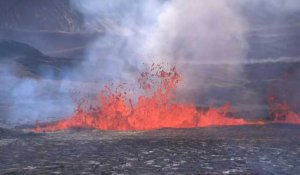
(267, 149)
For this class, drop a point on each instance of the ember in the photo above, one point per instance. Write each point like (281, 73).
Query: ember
(155, 108)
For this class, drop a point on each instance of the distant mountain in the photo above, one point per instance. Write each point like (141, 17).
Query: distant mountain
(10, 49)
(28, 61)
(39, 15)
(52, 26)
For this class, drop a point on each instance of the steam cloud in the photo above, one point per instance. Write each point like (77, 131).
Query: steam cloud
(30, 99)
(175, 32)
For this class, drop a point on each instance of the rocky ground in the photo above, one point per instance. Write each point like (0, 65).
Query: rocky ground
(272, 149)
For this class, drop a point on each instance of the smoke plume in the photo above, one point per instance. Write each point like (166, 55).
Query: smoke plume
(174, 32)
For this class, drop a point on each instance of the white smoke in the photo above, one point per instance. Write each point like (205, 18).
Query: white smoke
(197, 32)
(248, 61)
(174, 32)
(28, 100)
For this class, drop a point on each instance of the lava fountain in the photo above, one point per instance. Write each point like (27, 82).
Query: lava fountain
(154, 108)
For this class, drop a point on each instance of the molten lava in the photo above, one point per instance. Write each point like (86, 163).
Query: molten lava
(154, 108)
(281, 111)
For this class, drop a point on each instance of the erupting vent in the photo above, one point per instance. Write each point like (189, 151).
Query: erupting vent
(155, 108)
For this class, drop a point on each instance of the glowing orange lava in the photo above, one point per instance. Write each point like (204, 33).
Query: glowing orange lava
(155, 108)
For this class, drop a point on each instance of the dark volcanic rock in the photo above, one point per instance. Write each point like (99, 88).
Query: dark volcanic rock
(6, 133)
(272, 149)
